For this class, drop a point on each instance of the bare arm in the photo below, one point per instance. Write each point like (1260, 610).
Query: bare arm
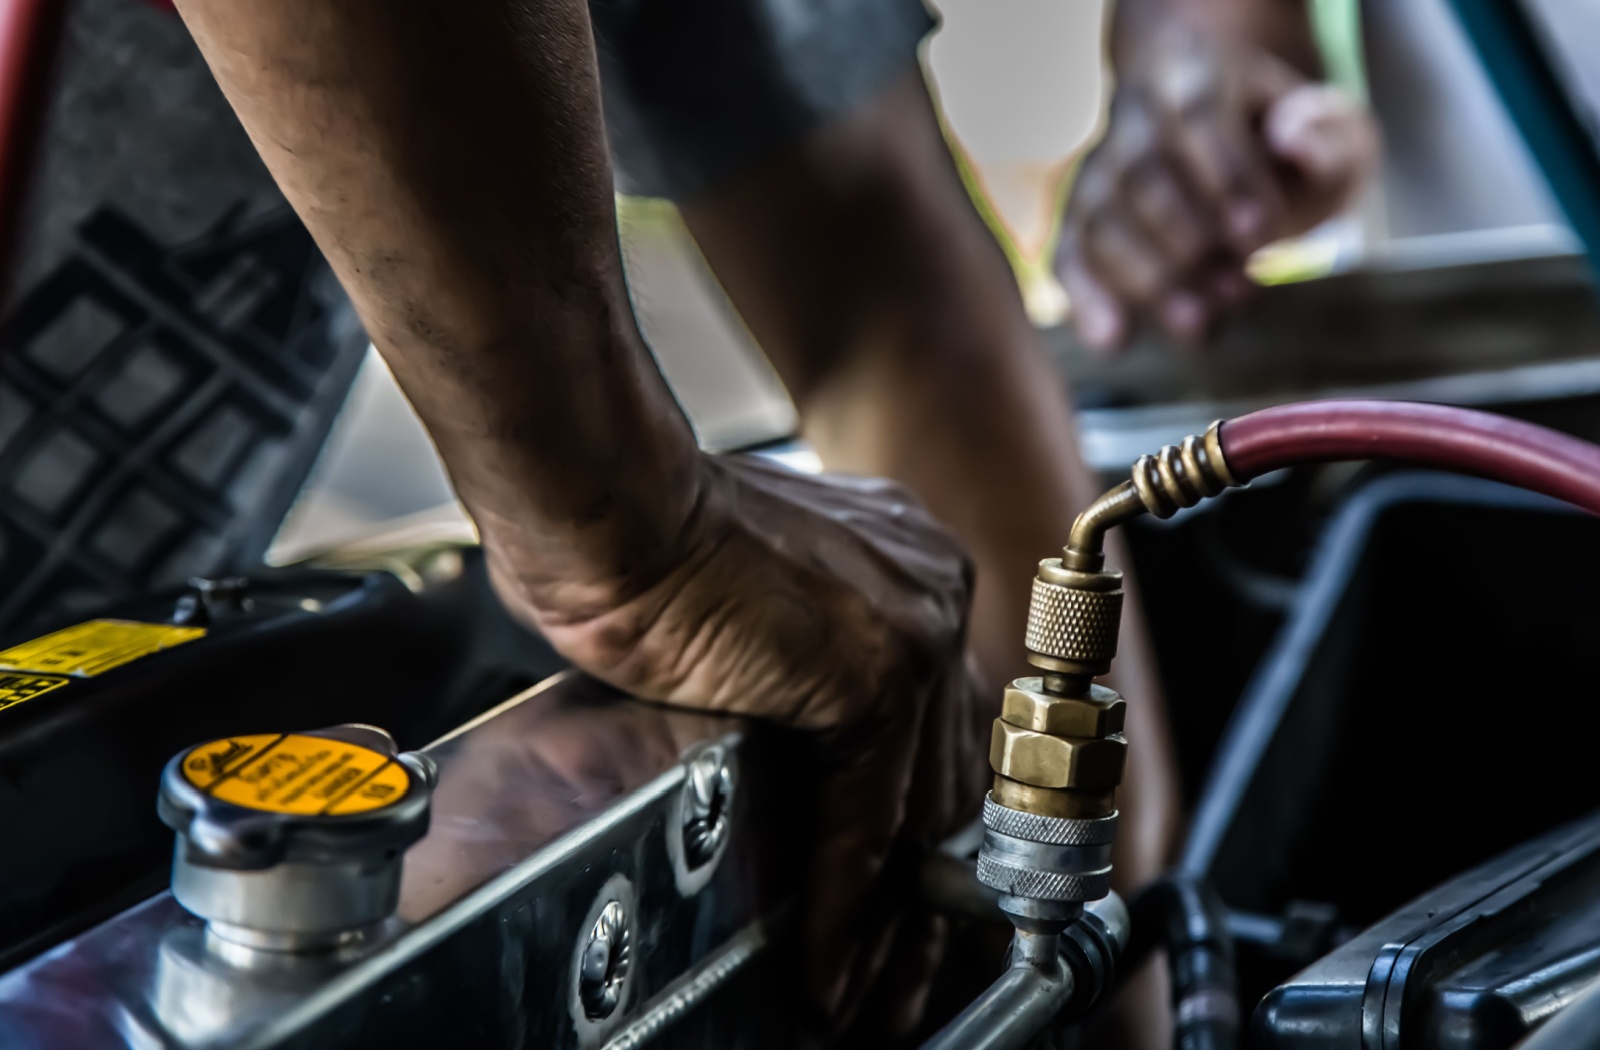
(448, 156)
(449, 159)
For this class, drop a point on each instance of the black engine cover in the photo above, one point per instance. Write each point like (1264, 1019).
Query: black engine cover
(1473, 965)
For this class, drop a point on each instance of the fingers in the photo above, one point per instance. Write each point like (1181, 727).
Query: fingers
(1158, 209)
(838, 606)
(1166, 212)
(1098, 315)
(1122, 263)
(1329, 141)
(900, 945)
(1214, 149)
(860, 809)
(1212, 152)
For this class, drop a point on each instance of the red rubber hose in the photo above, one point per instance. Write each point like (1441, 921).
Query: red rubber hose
(1456, 439)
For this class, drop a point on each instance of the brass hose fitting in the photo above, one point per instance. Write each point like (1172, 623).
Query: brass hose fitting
(1057, 749)
(1177, 477)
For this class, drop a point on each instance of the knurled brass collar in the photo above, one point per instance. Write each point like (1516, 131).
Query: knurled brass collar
(1073, 619)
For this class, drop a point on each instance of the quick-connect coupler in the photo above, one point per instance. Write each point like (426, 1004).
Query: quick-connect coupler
(1058, 751)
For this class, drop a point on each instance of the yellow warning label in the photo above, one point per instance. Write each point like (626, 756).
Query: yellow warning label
(15, 688)
(95, 647)
(296, 774)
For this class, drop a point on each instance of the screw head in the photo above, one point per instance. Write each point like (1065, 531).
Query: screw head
(707, 796)
(603, 964)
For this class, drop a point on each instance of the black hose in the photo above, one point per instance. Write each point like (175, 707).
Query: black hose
(1182, 914)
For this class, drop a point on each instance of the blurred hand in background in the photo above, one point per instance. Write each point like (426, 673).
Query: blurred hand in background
(1221, 139)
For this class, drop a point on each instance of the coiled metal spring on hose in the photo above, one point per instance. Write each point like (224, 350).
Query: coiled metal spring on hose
(1182, 475)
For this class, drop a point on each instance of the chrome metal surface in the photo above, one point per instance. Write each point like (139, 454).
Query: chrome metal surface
(604, 968)
(293, 907)
(1037, 913)
(1011, 1014)
(1039, 950)
(687, 992)
(701, 815)
(1046, 872)
(1026, 1000)
(1016, 880)
(1009, 849)
(1065, 831)
(538, 805)
(706, 794)
(604, 957)
(269, 878)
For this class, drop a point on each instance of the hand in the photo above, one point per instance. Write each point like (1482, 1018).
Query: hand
(1214, 149)
(835, 605)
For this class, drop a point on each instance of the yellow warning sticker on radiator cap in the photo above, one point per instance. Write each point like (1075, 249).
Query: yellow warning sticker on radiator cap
(95, 647)
(296, 774)
(15, 688)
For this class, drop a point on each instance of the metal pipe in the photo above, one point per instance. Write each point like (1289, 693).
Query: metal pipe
(1012, 1013)
(1177, 477)
(1086, 542)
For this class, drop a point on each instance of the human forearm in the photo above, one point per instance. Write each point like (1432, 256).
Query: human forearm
(1281, 27)
(894, 320)
(449, 160)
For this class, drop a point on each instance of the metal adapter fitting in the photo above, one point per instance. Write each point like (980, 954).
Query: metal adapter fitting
(1178, 476)
(1045, 868)
(1058, 754)
(1057, 750)
(1051, 818)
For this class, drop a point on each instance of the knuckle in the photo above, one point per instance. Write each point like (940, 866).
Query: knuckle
(1193, 103)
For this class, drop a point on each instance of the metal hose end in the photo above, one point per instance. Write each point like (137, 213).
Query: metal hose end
(1177, 477)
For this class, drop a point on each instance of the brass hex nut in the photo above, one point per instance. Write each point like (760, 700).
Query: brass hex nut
(1043, 760)
(1028, 706)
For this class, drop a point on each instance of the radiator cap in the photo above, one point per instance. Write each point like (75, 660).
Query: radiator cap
(294, 842)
